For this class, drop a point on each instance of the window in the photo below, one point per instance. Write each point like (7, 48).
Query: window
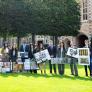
(85, 16)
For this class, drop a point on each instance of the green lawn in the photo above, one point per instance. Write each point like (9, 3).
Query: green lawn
(26, 82)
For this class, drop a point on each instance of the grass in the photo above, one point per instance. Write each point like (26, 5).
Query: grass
(26, 82)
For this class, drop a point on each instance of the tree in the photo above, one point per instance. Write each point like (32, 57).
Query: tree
(13, 18)
(51, 17)
(55, 17)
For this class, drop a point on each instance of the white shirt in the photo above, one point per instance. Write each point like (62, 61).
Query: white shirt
(24, 47)
(61, 52)
(13, 52)
(6, 50)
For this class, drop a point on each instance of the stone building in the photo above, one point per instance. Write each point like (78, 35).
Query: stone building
(86, 21)
(86, 24)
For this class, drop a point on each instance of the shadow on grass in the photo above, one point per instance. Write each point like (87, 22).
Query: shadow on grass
(47, 76)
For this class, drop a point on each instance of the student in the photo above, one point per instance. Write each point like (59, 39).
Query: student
(50, 50)
(73, 63)
(31, 56)
(25, 49)
(5, 52)
(86, 67)
(42, 65)
(61, 54)
(13, 55)
(54, 56)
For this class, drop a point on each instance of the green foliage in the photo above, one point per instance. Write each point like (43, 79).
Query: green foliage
(52, 17)
(58, 17)
(13, 20)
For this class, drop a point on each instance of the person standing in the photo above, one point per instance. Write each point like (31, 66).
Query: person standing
(61, 54)
(31, 56)
(54, 56)
(73, 63)
(35, 50)
(87, 67)
(41, 65)
(13, 55)
(50, 50)
(24, 48)
(53, 52)
(5, 53)
(5, 58)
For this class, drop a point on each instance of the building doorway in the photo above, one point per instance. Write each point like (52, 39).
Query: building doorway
(81, 40)
(39, 42)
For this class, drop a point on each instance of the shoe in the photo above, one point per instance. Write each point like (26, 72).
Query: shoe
(90, 75)
(86, 75)
(72, 74)
(76, 75)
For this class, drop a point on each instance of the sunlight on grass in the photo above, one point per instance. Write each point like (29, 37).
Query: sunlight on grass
(26, 82)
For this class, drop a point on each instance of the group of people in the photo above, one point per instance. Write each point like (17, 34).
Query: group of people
(10, 53)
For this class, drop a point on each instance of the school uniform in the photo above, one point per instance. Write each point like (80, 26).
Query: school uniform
(24, 48)
(31, 56)
(73, 66)
(87, 67)
(13, 56)
(52, 51)
(61, 54)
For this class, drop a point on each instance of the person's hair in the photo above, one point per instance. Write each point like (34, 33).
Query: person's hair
(30, 46)
(63, 44)
(15, 46)
(87, 41)
(4, 45)
(40, 45)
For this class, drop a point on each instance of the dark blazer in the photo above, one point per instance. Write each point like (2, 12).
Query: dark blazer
(13, 57)
(50, 50)
(35, 50)
(26, 48)
(30, 54)
(59, 52)
(54, 51)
